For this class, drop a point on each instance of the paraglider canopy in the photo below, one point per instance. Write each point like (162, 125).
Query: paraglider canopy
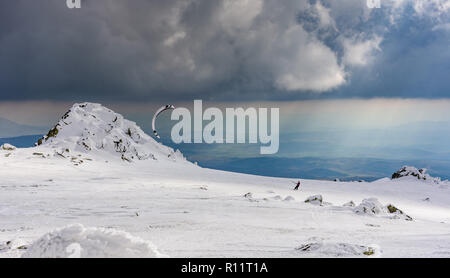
(160, 110)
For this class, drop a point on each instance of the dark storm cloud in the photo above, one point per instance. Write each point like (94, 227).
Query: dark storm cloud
(255, 49)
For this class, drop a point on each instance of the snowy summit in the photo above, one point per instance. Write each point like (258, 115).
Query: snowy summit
(94, 129)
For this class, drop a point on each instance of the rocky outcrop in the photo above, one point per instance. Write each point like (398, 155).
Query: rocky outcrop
(406, 171)
(94, 129)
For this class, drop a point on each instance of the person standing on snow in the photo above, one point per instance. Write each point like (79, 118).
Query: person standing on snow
(297, 185)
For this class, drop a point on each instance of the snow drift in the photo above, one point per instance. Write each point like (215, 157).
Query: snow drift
(76, 241)
(92, 128)
(320, 248)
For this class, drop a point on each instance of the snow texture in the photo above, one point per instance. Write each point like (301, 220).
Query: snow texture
(76, 241)
(319, 247)
(349, 204)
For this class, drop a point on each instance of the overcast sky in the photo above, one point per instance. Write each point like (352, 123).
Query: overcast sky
(256, 50)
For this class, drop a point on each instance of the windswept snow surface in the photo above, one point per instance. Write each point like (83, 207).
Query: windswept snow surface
(76, 241)
(187, 211)
(54, 202)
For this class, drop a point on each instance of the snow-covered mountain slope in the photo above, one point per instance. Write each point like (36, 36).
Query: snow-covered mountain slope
(53, 206)
(188, 211)
(93, 129)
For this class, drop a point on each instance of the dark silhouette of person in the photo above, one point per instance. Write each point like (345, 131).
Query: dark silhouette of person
(297, 186)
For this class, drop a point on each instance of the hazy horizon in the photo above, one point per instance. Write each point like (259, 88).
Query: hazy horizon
(389, 131)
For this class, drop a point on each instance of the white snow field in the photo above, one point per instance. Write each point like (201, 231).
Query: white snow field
(100, 187)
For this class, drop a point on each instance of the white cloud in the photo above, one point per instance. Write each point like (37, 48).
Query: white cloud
(443, 27)
(359, 52)
(324, 15)
(268, 45)
(308, 64)
(431, 7)
(188, 47)
(170, 41)
(422, 8)
(239, 14)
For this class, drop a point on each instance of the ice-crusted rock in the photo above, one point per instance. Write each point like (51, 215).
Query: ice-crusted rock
(315, 200)
(397, 213)
(369, 206)
(76, 241)
(289, 198)
(7, 147)
(420, 174)
(93, 128)
(349, 204)
(17, 244)
(317, 247)
(248, 195)
(372, 206)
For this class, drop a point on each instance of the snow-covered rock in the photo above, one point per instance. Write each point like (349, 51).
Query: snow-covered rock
(76, 241)
(7, 147)
(369, 206)
(319, 248)
(372, 206)
(315, 200)
(420, 174)
(349, 204)
(95, 129)
(397, 213)
(12, 244)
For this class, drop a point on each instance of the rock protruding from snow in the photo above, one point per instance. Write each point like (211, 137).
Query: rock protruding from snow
(315, 200)
(248, 195)
(92, 128)
(397, 213)
(7, 147)
(349, 204)
(17, 244)
(372, 206)
(369, 206)
(76, 241)
(319, 248)
(409, 171)
(289, 198)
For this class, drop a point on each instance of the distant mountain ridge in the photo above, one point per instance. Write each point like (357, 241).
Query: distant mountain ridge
(26, 141)
(9, 128)
(344, 169)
